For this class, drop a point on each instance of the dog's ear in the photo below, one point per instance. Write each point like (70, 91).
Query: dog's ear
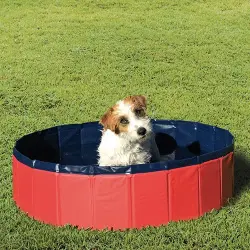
(106, 117)
(142, 100)
(138, 101)
(108, 120)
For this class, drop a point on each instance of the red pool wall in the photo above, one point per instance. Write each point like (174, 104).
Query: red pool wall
(123, 201)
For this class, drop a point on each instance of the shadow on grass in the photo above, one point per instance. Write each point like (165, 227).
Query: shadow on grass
(241, 173)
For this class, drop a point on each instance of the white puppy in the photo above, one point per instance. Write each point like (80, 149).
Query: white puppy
(127, 137)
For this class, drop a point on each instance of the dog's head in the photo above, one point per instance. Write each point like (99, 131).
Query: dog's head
(128, 118)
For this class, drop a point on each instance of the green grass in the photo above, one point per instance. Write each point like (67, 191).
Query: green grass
(67, 61)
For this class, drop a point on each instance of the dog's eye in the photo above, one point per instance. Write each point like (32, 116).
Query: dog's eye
(124, 121)
(139, 112)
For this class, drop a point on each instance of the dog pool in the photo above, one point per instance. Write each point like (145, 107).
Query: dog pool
(56, 178)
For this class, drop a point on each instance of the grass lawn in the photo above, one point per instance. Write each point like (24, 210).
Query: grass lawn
(66, 61)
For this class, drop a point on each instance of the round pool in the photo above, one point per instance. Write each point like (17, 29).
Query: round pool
(56, 178)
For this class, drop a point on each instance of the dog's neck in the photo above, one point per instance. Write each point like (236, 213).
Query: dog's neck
(119, 150)
(120, 142)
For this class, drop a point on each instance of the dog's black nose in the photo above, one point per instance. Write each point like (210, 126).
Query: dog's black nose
(141, 131)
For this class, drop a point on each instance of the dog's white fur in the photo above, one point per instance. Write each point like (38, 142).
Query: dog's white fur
(128, 147)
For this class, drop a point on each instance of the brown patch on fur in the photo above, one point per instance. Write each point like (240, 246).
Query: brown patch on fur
(137, 102)
(111, 120)
(122, 127)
